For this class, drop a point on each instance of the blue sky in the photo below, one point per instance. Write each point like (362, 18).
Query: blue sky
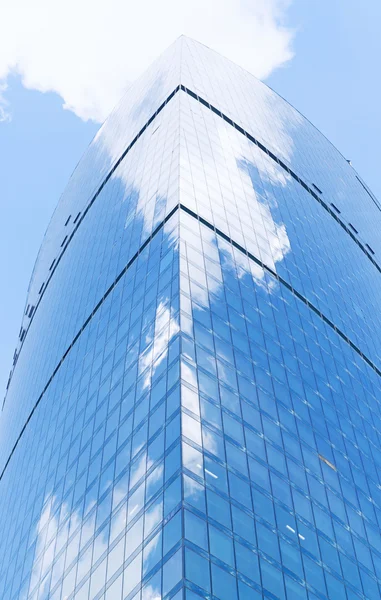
(333, 79)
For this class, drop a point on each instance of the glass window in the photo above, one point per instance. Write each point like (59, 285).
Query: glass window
(218, 508)
(132, 575)
(224, 585)
(172, 532)
(196, 530)
(152, 553)
(221, 545)
(172, 572)
(247, 562)
(197, 569)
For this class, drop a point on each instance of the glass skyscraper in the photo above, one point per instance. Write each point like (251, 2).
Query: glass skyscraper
(194, 406)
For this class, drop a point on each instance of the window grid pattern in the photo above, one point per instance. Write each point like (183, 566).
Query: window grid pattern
(256, 426)
(206, 433)
(114, 407)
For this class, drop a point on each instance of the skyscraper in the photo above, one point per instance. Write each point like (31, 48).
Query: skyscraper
(194, 406)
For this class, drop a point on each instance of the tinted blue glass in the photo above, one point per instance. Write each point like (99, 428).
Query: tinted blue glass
(194, 406)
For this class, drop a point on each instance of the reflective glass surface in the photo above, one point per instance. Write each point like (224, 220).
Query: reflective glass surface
(194, 408)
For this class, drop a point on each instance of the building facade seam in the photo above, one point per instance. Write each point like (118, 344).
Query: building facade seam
(133, 259)
(283, 165)
(240, 129)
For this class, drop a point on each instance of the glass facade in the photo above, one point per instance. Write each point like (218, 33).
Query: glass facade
(194, 405)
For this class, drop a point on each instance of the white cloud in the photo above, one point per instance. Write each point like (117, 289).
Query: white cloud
(5, 115)
(88, 50)
(236, 155)
(45, 553)
(166, 327)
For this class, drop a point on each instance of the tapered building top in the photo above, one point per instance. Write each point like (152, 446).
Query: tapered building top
(190, 67)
